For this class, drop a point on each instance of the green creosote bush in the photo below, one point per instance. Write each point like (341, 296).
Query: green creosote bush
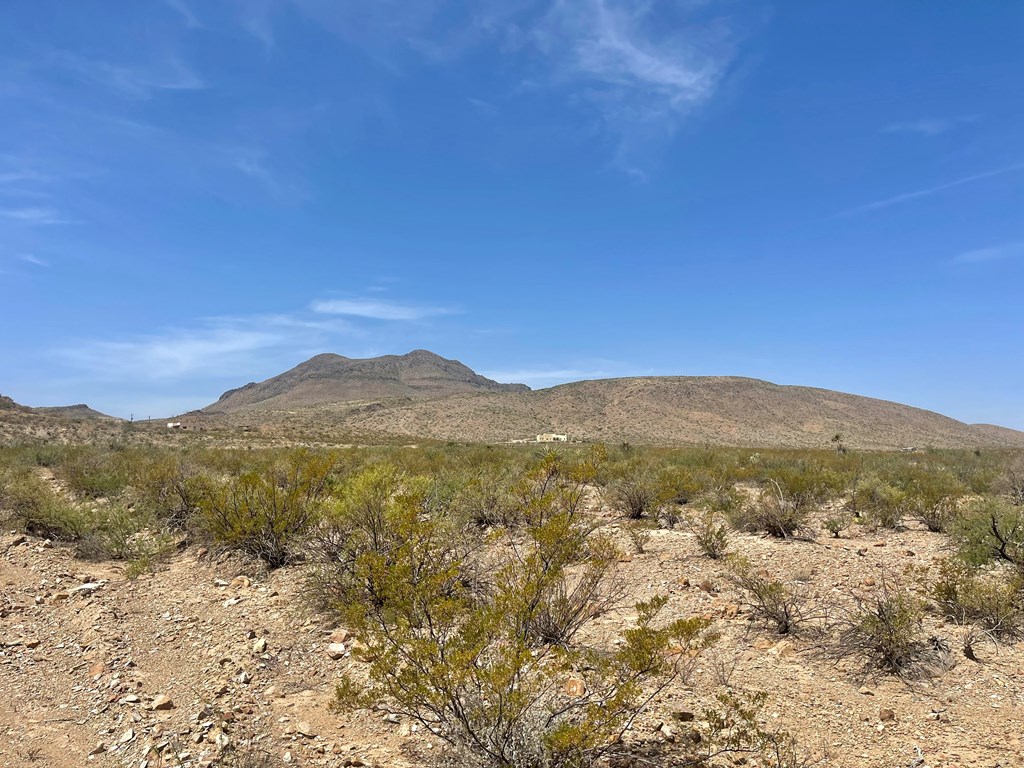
(640, 490)
(96, 473)
(37, 508)
(991, 529)
(710, 531)
(932, 495)
(732, 726)
(968, 595)
(489, 665)
(785, 608)
(638, 534)
(885, 628)
(265, 512)
(837, 523)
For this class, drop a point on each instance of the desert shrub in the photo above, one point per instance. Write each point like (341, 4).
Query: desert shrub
(733, 726)
(931, 494)
(36, 507)
(638, 535)
(991, 529)
(711, 532)
(881, 504)
(264, 512)
(785, 608)
(1012, 483)
(485, 500)
(489, 664)
(170, 488)
(556, 485)
(885, 628)
(969, 596)
(95, 473)
(639, 491)
(463, 669)
(836, 524)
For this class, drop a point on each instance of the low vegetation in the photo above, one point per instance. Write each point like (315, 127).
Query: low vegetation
(474, 576)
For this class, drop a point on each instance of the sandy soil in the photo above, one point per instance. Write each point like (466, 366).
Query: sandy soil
(89, 658)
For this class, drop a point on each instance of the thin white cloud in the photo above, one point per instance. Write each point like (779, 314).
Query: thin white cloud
(917, 194)
(991, 253)
(34, 216)
(137, 81)
(377, 310)
(32, 259)
(584, 369)
(184, 11)
(635, 71)
(929, 126)
(218, 347)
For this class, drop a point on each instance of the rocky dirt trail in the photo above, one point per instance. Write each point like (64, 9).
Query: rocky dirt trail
(174, 668)
(181, 666)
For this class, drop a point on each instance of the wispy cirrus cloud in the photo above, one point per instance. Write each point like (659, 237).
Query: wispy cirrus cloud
(641, 75)
(34, 216)
(212, 347)
(929, 191)
(133, 80)
(30, 258)
(990, 253)
(378, 310)
(542, 376)
(636, 71)
(929, 126)
(182, 9)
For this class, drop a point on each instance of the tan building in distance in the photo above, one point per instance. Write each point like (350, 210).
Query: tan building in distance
(550, 437)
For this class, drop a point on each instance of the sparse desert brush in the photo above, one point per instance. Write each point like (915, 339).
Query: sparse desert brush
(931, 495)
(787, 609)
(34, 506)
(95, 472)
(988, 599)
(468, 665)
(711, 531)
(880, 504)
(885, 629)
(991, 529)
(265, 512)
(640, 489)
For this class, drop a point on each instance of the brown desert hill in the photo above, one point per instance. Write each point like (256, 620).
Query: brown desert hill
(720, 410)
(79, 411)
(332, 378)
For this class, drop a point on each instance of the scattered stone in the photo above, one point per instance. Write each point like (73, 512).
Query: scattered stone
(886, 715)
(163, 701)
(240, 581)
(260, 646)
(86, 589)
(683, 716)
(865, 691)
(305, 729)
(575, 687)
(340, 636)
(336, 650)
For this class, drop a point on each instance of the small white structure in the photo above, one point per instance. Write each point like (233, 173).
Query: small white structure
(174, 425)
(550, 437)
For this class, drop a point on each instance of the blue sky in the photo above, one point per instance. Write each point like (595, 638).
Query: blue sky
(194, 194)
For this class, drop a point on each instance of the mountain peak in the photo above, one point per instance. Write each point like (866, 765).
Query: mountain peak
(332, 378)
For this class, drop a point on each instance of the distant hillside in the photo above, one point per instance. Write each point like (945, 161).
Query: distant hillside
(80, 411)
(332, 378)
(659, 410)
(8, 404)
